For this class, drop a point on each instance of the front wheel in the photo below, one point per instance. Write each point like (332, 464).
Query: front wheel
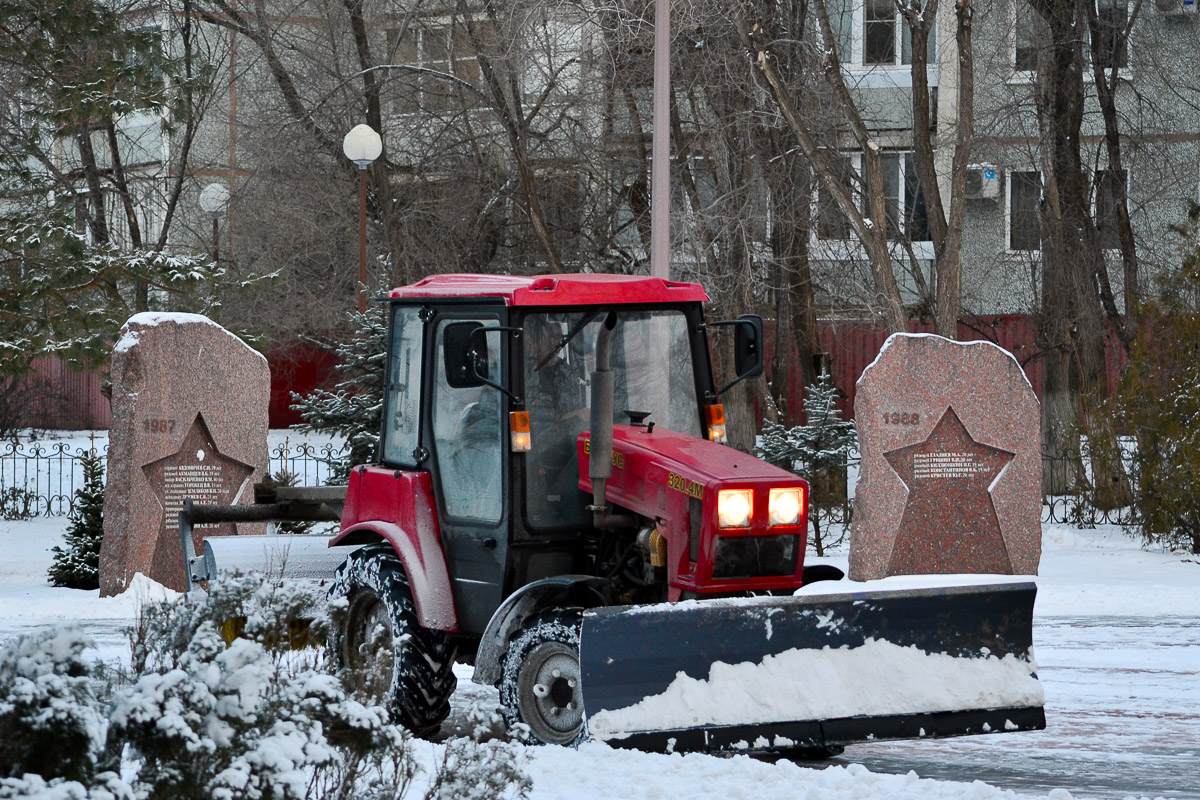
(375, 636)
(540, 684)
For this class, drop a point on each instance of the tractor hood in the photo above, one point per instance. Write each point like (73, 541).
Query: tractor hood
(677, 481)
(644, 461)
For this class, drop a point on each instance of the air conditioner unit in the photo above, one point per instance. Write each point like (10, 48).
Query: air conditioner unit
(1176, 9)
(983, 182)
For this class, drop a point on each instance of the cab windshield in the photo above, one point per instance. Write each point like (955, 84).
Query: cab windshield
(651, 361)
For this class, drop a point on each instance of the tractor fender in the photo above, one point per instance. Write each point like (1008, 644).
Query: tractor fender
(583, 591)
(424, 562)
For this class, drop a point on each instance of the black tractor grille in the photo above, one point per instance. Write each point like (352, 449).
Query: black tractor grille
(755, 556)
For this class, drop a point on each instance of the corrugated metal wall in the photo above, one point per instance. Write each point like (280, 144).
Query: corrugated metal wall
(67, 398)
(853, 344)
(75, 402)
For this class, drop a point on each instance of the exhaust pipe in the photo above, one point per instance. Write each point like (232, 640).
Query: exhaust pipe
(601, 422)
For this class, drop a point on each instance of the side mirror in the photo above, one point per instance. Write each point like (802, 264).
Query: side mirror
(466, 364)
(747, 346)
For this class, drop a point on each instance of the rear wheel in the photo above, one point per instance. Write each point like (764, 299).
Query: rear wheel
(375, 636)
(540, 682)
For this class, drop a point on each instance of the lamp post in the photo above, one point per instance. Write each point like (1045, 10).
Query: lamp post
(660, 146)
(213, 200)
(362, 145)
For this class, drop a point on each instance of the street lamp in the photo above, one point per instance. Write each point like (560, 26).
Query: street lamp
(362, 145)
(213, 201)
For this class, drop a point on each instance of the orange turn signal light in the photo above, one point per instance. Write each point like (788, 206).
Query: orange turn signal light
(518, 427)
(714, 419)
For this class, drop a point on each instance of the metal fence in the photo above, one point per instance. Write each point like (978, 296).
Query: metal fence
(40, 479)
(309, 465)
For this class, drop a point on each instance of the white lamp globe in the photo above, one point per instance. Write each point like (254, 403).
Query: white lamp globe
(214, 198)
(362, 145)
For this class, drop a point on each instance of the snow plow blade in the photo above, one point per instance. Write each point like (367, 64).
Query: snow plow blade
(812, 672)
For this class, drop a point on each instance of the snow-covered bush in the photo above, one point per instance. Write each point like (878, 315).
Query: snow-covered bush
(1158, 404)
(104, 786)
(219, 707)
(76, 564)
(223, 708)
(280, 615)
(51, 722)
(17, 502)
(474, 770)
(818, 451)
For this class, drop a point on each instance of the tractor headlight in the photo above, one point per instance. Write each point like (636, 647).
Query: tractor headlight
(733, 508)
(785, 506)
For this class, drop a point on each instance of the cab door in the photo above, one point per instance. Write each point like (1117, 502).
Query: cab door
(468, 432)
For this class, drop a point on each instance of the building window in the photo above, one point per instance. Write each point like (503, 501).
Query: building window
(1028, 36)
(879, 32)
(831, 222)
(445, 50)
(1110, 188)
(1024, 224)
(907, 217)
(886, 36)
(1112, 50)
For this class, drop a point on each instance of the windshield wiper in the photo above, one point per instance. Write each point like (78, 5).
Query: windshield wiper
(566, 340)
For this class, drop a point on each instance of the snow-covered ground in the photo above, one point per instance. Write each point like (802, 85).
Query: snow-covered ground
(1117, 640)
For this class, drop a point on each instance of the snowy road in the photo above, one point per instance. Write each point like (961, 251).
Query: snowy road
(1122, 716)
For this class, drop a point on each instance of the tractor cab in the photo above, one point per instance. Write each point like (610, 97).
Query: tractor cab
(488, 390)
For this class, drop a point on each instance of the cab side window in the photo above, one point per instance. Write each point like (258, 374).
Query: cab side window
(404, 387)
(467, 437)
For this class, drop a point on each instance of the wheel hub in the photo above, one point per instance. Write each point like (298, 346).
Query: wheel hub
(369, 646)
(553, 674)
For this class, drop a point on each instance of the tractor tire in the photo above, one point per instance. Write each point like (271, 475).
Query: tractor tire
(375, 637)
(540, 679)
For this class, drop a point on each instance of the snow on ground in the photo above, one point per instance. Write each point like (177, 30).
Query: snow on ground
(1117, 652)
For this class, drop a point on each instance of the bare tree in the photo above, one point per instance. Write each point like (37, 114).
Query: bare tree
(869, 224)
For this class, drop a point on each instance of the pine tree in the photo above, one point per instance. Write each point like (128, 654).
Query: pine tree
(72, 69)
(354, 408)
(817, 450)
(77, 564)
(1157, 404)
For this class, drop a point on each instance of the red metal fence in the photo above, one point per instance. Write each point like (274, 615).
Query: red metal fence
(853, 344)
(70, 399)
(75, 402)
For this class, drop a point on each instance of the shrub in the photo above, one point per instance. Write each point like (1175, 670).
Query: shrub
(1158, 404)
(354, 407)
(76, 564)
(220, 707)
(817, 450)
(51, 723)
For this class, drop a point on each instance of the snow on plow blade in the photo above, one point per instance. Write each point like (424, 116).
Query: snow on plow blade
(812, 672)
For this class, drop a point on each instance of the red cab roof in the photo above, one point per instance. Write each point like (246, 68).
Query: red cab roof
(554, 290)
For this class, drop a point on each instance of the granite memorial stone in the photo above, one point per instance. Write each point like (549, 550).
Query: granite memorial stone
(189, 402)
(951, 469)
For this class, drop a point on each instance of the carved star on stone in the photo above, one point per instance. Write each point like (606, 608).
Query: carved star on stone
(197, 471)
(949, 523)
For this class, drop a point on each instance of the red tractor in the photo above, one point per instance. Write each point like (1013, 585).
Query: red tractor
(552, 500)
